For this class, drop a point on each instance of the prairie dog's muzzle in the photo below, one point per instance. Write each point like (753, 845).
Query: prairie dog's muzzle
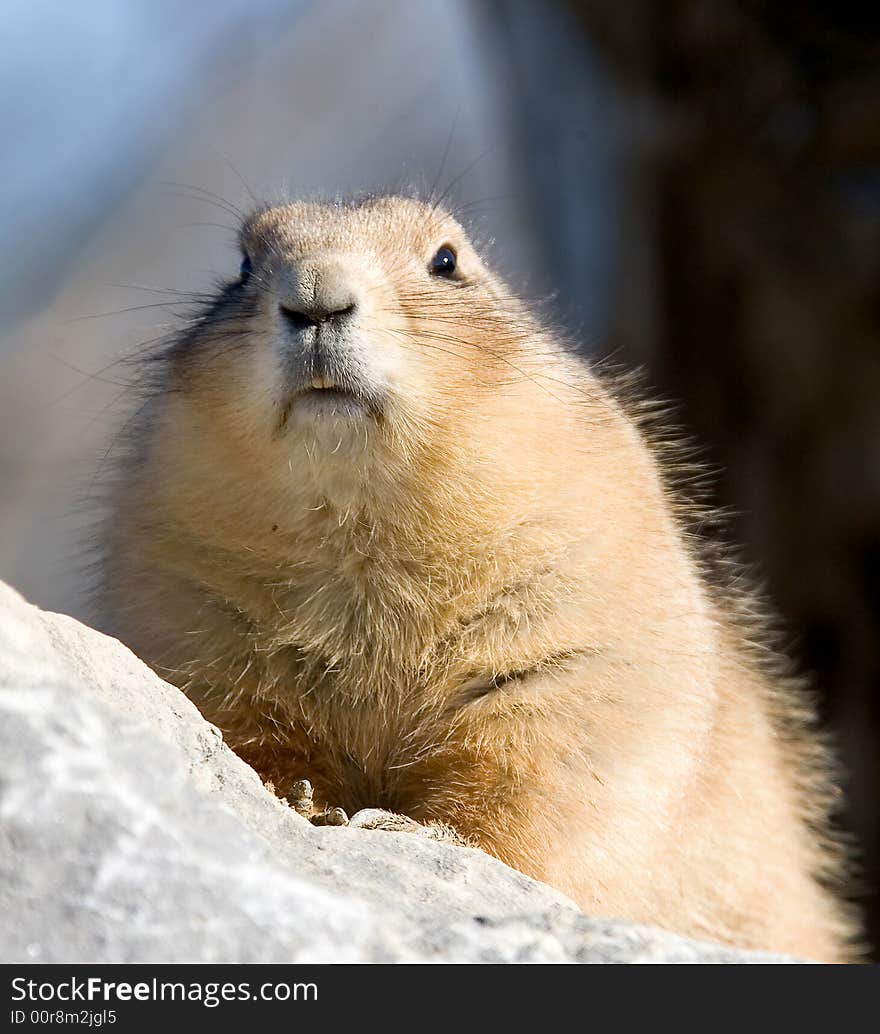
(322, 302)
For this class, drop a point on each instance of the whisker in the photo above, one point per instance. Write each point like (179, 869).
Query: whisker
(454, 183)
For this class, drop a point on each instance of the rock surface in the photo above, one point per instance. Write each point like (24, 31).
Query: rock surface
(129, 832)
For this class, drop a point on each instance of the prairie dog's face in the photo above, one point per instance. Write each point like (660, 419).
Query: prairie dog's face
(349, 320)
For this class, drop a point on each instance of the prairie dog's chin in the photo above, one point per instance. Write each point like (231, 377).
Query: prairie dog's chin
(329, 403)
(328, 417)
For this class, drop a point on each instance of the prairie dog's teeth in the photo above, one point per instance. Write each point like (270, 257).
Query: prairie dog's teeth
(322, 382)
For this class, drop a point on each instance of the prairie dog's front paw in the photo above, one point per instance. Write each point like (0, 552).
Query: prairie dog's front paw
(330, 817)
(390, 821)
(378, 818)
(301, 799)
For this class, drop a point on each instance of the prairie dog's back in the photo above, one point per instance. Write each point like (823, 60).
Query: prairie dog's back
(391, 537)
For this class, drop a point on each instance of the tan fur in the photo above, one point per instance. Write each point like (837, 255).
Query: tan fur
(480, 607)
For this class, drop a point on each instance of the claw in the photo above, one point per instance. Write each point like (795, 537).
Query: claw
(300, 797)
(332, 817)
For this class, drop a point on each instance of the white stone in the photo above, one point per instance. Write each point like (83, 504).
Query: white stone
(129, 832)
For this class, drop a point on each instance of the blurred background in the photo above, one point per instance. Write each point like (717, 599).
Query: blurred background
(697, 182)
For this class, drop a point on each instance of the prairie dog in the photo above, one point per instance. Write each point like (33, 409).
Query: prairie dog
(392, 537)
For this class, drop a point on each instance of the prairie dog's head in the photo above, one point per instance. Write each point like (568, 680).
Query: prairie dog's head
(357, 330)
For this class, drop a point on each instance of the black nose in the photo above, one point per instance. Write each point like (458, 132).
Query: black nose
(315, 315)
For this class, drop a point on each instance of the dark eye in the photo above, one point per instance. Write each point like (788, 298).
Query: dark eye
(244, 270)
(443, 263)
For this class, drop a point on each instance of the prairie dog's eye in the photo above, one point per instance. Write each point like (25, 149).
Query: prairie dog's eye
(443, 263)
(244, 270)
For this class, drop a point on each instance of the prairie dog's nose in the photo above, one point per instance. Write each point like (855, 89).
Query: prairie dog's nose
(319, 293)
